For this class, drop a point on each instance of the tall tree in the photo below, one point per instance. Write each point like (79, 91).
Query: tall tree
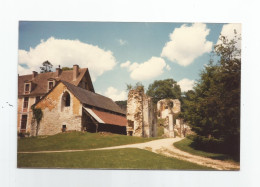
(213, 109)
(46, 67)
(164, 89)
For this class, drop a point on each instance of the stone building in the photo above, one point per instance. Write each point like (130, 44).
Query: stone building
(32, 87)
(141, 118)
(70, 108)
(39, 89)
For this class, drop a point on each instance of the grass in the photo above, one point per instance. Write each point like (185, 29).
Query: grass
(76, 140)
(186, 145)
(112, 159)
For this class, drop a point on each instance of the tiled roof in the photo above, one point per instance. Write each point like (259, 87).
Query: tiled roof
(109, 118)
(93, 99)
(40, 82)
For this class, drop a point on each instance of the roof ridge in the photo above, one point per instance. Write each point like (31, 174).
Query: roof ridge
(75, 89)
(85, 89)
(39, 73)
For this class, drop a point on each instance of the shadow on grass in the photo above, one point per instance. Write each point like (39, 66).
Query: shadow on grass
(189, 146)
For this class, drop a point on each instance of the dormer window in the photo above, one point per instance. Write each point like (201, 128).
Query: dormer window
(51, 84)
(27, 88)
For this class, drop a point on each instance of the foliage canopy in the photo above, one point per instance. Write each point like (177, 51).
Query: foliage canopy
(164, 89)
(46, 67)
(213, 108)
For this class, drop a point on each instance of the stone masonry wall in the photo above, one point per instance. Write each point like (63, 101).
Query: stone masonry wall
(134, 113)
(166, 109)
(55, 114)
(140, 115)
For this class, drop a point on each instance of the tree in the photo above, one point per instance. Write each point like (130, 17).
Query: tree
(213, 109)
(164, 89)
(137, 86)
(66, 68)
(122, 104)
(46, 67)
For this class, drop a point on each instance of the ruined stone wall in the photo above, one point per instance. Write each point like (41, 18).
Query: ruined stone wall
(167, 108)
(141, 117)
(134, 113)
(176, 106)
(55, 114)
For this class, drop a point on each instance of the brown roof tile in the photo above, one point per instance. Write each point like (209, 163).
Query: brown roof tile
(93, 99)
(109, 118)
(40, 82)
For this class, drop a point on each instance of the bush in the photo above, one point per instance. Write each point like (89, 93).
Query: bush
(213, 145)
(208, 144)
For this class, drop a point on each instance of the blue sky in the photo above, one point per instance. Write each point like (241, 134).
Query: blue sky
(121, 53)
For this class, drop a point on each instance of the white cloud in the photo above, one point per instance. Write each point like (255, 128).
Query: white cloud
(146, 70)
(67, 53)
(115, 94)
(228, 32)
(24, 71)
(125, 65)
(186, 84)
(122, 42)
(168, 67)
(187, 43)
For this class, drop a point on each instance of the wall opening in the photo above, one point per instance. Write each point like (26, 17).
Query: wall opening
(64, 127)
(23, 123)
(66, 101)
(88, 124)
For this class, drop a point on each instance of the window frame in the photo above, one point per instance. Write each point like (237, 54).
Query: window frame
(53, 84)
(24, 122)
(25, 103)
(29, 87)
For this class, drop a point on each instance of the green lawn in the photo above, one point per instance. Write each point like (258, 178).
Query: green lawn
(76, 140)
(185, 145)
(112, 159)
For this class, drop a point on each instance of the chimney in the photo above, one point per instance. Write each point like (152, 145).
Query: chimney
(58, 72)
(75, 71)
(34, 74)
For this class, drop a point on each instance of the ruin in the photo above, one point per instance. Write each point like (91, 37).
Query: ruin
(141, 115)
(167, 111)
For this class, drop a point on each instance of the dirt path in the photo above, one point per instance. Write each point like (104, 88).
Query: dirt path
(165, 147)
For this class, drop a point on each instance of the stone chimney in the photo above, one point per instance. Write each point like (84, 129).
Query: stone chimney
(34, 74)
(75, 71)
(58, 72)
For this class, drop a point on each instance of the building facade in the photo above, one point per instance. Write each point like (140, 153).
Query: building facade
(70, 108)
(32, 87)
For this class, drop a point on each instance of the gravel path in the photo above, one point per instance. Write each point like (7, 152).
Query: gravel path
(165, 147)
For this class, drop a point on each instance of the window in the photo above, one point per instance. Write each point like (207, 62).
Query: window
(27, 87)
(25, 102)
(23, 122)
(67, 100)
(51, 85)
(64, 128)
